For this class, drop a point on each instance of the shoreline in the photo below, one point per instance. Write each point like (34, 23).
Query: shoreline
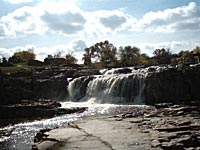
(166, 127)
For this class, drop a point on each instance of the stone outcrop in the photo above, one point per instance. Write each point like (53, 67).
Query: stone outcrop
(163, 127)
(154, 84)
(95, 133)
(27, 110)
(36, 84)
(171, 127)
(174, 84)
(14, 89)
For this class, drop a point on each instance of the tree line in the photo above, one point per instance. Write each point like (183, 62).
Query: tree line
(29, 57)
(105, 54)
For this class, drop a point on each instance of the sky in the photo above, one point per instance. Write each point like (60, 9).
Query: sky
(69, 26)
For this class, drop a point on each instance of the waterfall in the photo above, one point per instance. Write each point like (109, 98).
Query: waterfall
(77, 88)
(110, 88)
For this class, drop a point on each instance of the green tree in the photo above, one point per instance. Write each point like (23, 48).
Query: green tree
(107, 53)
(162, 56)
(14, 59)
(87, 57)
(4, 60)
(103, 52)
(129, 55)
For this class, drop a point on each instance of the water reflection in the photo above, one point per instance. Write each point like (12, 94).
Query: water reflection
(20, 136)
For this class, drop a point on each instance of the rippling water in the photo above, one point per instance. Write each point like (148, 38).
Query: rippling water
(20, 136)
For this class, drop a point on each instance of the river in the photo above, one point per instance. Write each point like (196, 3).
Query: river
(89, 91)
(20, 136)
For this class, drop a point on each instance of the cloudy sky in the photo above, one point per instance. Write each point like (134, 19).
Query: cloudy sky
(69, 26)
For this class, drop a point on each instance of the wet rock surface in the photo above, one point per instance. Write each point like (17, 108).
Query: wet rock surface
(163, 127)
(11, 114)
(37, 84)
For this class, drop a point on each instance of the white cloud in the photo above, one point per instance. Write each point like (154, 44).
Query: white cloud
(18, 1)
(5, 52)
(65, 17)
(174, 46)
(78, 45)
(114, 19)
(103, 23)
(2, 31)
(23, 20)
(185, 18)
(67, 23)
(62, 16)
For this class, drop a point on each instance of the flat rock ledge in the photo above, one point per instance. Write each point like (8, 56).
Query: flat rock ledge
(167, 127)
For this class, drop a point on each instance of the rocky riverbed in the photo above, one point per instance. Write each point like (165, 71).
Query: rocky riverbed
(163, 127)
(32, 110)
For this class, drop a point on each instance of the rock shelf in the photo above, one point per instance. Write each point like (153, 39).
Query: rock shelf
(166, 127)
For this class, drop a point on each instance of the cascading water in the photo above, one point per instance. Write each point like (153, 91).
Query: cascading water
(115, 86)
(109, 88)
(77, 88)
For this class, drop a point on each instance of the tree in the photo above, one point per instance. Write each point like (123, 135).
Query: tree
(185, 57)
(70, 59)
(14, 59)
(107, 53)
(57, 55)
(144, 59)
(196, 54)
(24, 56)
(103, 52)
(162, 56)
(129, 55)
(4, 60)
(87, 57)
(5, 63)
(196, 50)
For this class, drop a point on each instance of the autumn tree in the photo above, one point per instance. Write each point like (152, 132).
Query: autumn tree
(196, 54)
(22, 56)
(185, 57)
